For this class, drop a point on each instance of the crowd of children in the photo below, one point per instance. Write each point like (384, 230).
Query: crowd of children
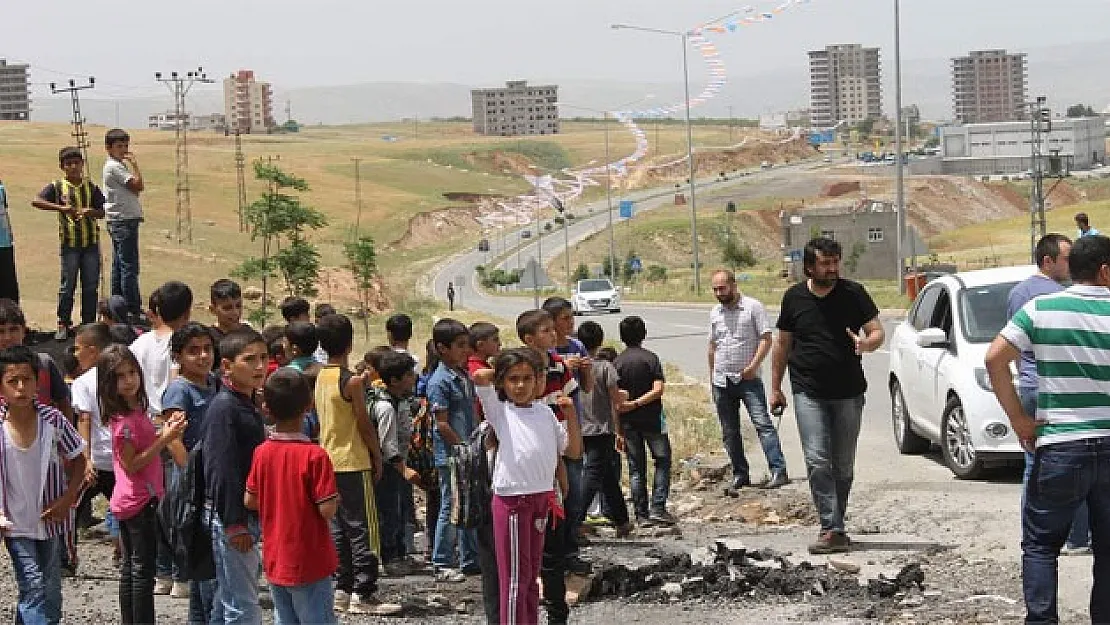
(224, 451)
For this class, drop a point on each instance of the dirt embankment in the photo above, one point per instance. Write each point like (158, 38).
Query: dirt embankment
(497, 161)
(673, 167)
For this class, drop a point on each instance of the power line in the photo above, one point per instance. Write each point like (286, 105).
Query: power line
(179, 86)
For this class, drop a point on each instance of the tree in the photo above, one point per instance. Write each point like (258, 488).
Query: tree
(655, 273)
(1081, 110)
(362, 259)
(866, 127)
(582, 272)
(738, 256)
(852, 262)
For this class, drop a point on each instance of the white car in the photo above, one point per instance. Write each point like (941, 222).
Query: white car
(939, 390)
(595, 295)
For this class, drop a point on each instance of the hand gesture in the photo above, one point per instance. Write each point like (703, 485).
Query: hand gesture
(1025, 429)
(174, 427)
(483, 377)
(242, 542)
(130, 158)
(857, 340)
(778, 399)
(566, 404)
(58, 510)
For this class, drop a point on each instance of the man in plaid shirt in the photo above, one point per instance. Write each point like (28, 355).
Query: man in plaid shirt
(739, 340)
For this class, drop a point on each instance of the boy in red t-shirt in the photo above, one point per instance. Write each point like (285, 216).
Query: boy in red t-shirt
(292, 486)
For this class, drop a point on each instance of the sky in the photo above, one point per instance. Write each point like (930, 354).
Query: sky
(338, 42)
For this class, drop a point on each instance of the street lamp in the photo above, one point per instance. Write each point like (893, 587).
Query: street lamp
(900, 199)
(684, 36)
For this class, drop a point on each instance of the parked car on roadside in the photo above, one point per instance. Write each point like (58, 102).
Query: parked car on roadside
(595, 295)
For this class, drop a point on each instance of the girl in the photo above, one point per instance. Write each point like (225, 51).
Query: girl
(136, 449)
(531, 442)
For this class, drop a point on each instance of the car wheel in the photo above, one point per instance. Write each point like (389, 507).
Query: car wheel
(955, 444)
(908, 441)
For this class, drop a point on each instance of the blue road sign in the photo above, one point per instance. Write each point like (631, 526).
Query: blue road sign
(626, 209)
(795, 256)
(635, 264)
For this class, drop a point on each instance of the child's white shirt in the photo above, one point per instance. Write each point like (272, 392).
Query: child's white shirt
(530, 441)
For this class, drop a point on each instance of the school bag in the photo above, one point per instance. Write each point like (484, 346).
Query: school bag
(471, 477)
(181, 515)
(421, 453)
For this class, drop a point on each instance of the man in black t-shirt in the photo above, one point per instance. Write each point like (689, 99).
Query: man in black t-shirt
(825, 324)
(640, 374)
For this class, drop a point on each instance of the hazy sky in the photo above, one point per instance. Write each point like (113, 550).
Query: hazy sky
(331, 42)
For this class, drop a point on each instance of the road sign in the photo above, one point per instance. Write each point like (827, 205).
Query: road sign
(795, 256)
(636, 265)
(626, 209)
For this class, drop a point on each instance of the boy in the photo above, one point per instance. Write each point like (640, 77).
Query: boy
(51, 384)
(274, 335)
(601, 433)
(392, 415)
(9, 282)
(123, 182)
(348, 437)
(323, 309)
(79, 203)
(226, 305)
(42, 465)
(641, 375)
(90, 340)
(398, 329)
(292, 487)
(300, 338)
(233, 429)
(295, 309)
(485, 344)
(451, 400)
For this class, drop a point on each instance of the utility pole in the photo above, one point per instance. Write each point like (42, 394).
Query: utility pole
(78, 133)
(358, 195)
(900, 194)
(241, 179)
(1040, 122)
(179, 86)
(730, 125)
(288, 111)
(416, 126)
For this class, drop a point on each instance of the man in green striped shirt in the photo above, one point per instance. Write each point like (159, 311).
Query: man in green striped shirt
(1069, 335)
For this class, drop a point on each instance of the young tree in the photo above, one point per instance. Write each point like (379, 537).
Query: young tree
(275, 217)
(738, 256)
(362, 259)
(582, 272)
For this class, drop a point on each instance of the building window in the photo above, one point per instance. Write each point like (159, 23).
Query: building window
(874, 235)
(828, 234)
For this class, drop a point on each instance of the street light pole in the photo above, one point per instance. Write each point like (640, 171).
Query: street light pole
(609, 201)
(690, 157)
(900, 200)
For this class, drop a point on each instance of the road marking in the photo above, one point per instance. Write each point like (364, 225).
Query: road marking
(686, 326)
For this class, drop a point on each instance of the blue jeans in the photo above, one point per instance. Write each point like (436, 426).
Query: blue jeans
(752, 395)
(86, 262)
(659, 444)
(204, 602)
(447, 535)
(1080, 534)
(1064, 475)
(308, 604)
(125, 261)
(236, 575)
(829, 429)
(39, 578)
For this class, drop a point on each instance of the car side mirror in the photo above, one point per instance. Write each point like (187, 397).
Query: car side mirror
(932, 337)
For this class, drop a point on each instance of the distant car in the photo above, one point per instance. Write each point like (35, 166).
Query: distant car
(595, 295)
(828, 158)
(526, 234)
(939, 390)
(483, 245)
(765, 165)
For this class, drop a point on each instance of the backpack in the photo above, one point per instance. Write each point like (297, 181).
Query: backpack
(471, 476)
(421, 453)
(181, 515)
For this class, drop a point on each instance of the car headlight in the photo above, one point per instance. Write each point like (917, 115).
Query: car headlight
(983, 380)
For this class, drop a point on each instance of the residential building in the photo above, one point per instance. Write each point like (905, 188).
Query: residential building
(167, 121)
(867, 233)
(845, 83)
(248, 103)
(1007, 147)
(213, 121)
(990, 86)
(15, 92)
(516, 109)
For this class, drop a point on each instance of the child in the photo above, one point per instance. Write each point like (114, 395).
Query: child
(323, 309)
(371, 362)
(531, 442)
(275, 342)
(349, 438)
(9, 280)
(188, 395)
(79, 203)
(421, 452)
(123, 182)
(136, 458)
(51, 385)
(601, 433)
(451, 401)
(641, 375)
(91, 339)
(398, 329)
(232, 430)
(37, 442)
(301, 341)
(392, 416)
(292, 486)
(485, 344)
(113, 313)
(294, 309)
(226, 305)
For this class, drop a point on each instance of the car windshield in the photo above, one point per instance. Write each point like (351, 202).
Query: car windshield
(589, 286)
(983, 311)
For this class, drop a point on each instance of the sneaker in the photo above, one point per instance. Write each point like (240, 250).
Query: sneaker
(662, 517)
(597, 521)
(180, 590)
(373, 606)
(1068, 550)
(342, 600)
(163, 586)
(831, 542)
(449, 575)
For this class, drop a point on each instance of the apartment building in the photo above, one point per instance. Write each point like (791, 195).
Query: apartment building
(516, 109)
(990, 86)
(248, 103)
(845, 84)
(15, 92)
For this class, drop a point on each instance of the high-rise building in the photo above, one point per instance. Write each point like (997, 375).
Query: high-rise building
(516, 109)
(15, 92)
(248, 103)
(990, 86)
(845, 84)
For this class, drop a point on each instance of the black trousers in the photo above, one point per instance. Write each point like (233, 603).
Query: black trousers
(104, 485)
(487, 559)
(9, 282)
(553, 571)
(355, 532)
(140, 550)
(599, 477)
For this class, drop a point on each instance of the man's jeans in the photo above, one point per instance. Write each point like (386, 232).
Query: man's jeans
(599, 478)
(1080, 534)
(236, 575)
(659, 444)
(752, 395)
(308, 604)
(829, 429)
(39, 578)
(447, 535)
(1064, 476)
(86, 262)
(125, 261)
